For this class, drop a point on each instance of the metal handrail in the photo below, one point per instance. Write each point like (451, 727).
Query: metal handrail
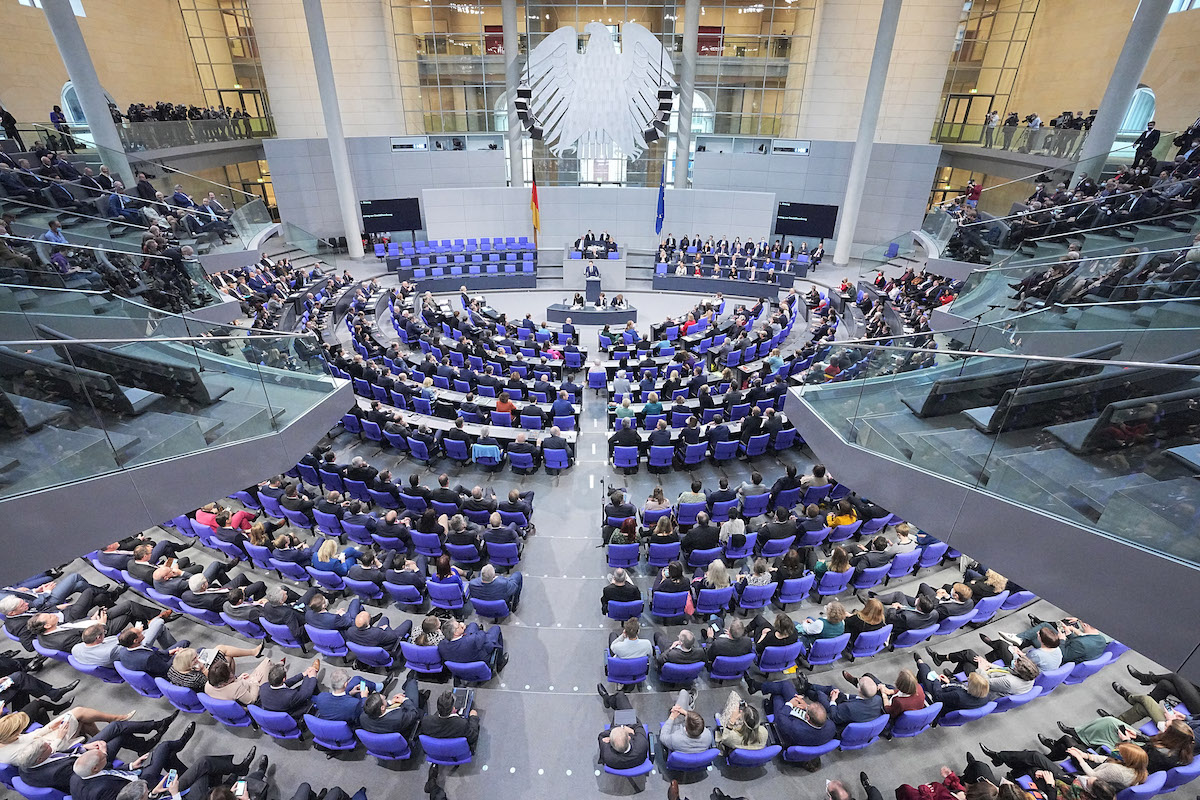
(1148, 221)
(1064, 166)
(1018, 357)
(52, 209)
(128, 339)
(1118, 194)
(75, 246)
(1054, 259)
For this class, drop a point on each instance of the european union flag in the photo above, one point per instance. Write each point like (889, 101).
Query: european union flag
(662, 201)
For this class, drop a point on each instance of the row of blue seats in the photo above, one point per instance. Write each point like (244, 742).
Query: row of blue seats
(459, 270)
(484, 244)
(576, 255)
(493, 258)
(628, 458)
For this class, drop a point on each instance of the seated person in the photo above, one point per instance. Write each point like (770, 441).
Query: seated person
(622, 746)
(627, 643)
(290, 695)
(947, 604)
(400, 714)
(366, 632)
(684, 731)
(801, 713)
(224, 685)
(464, 643)
(1080, 641)
(448, 723)
(741, 726)
(490, 586)
(344, 700)
(619, 589)
(952, 694)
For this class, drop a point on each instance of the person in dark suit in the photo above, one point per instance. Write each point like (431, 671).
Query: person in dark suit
(450, 724)
(718, 432)
(1145, 143)
(947, 604)
(903, 619)
(618, 508)
(554, 440)
(625, 436)
(689, 434)
(847, 708)
(725, 640)
(135, 655)
(702, 536)
(619, 589)
(463, 642)
(622, 746)
(362, 632)
(290, 695)
(202, 593)
(802, 717)
(54, 632)
(953, 695)
(660, 436)
(344, 700)
(281, 610)
(400, 714)
(319, 616)
(370, 568)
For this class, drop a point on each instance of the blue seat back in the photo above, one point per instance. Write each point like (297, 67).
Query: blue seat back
(385, 746)
(668, 605)
(826, 651)
(858, 735)
(448, 752)
(870, 643)
(627, 671)
(777, 658)
(915, 722)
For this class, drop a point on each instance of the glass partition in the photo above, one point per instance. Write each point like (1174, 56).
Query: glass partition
(1105, 442)
(77, 404)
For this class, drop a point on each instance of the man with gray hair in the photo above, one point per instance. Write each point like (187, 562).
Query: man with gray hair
(523, 446)
(619, 590)
(487, 585)
(99, 650)
(684, 650)
(344, 700)
(285, 608)
(556, 441)
(201, 593)
(623, 746)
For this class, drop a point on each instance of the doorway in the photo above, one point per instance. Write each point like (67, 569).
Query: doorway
(254, 103)
(963, 117)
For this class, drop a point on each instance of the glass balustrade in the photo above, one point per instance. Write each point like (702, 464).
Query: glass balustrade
(152, 135)
(91, 384)
(1109, 442)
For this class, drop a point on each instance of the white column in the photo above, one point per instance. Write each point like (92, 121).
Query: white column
(687, 91)
(327, 88)
(1139, 42)
(512, 79)
(885, 37)
(78, 61)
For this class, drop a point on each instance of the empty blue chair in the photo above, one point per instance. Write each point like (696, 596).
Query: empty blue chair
(841, 533)
(686, 513)
(327, 642)
(281, 634)
(870, 643)
(755, 505)
(179, 696)
(289, 569)
(494, 610)
(1148, 788)
(625, 458)
(447, 752)
(986, 608)
(795, 590)
(1018, 599)
(140, 682)
(833, 583)
(688, 762)
(427, 544)
(228, 712)
(730, 668)
(913, 637)
(668, 605)
(951, 624)
(869, 578)
(773, 548)
(725, 451)
(624, 555)
(422, 658)
(276, 724)
(902, 565)
(469, 671)
(756, 596)
(385, 746)
(626, 671)
(858, 735)
(661, 554)
(803, 755)
(740, 757)
(370, 656)
(404, 594)
(932, 555)
(702, 558)
(1086, 669)
(777, 658)
(786, 499)
(713, 601)
(915, 722)
(953, 719)
(297, 518)
(1011, 701)
(622, 611)
(448, 596)
(675, 674)
(330, 734)
(826, 651)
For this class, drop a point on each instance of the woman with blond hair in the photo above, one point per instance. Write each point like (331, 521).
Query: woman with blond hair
(715, 577)
(188, 671)
(831, 624)
(867, 618)
(64, 731)
(1126, 768)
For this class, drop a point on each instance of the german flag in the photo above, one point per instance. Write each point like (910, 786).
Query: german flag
(535, 210)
